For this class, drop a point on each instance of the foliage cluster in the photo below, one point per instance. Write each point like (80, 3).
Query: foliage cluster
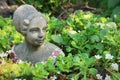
(8, 34)
(55, 7)
(48, 6)
(90, 42)
(68, 67)
(85, 32)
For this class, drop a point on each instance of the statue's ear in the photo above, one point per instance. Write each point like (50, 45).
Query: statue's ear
(26, 22)
(23, 30)
(25, 26)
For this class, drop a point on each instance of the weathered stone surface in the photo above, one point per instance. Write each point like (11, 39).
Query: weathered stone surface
(32, 25)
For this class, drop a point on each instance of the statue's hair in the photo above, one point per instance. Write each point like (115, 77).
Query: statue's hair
(23, 15)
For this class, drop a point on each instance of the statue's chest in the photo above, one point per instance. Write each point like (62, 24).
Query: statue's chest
(38, 56)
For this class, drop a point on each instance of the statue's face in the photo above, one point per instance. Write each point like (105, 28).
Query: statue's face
(36, 32)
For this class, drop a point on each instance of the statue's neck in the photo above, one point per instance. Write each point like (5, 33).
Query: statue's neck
(31, 47)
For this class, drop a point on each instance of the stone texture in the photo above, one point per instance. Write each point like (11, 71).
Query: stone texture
(29, 22)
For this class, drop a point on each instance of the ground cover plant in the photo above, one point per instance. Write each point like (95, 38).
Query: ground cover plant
(91, 44)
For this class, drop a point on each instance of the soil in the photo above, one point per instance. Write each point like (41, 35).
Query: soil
(7, 8)
(68, 9)
(64, 13)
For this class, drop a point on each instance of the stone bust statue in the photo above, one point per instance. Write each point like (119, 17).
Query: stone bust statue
(32, 25)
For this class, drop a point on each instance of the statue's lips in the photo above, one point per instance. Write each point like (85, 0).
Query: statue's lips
(40, 41)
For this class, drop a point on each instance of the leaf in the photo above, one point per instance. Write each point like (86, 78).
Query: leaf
(74, 44)
(112, 25)
(93, 71)
(103, 19)
(26, 69)
(116, 10)
(39, 72)
(73, 34)
(99, 46)
(115, 75)
(103, 33)
(65, 63)
(113, 3)
(76, 77)
(68, 48)
(57, 39)
(94, 38)
(35, 78)
(37, 4)
(106, 52)
(76, 60)
(49, 65)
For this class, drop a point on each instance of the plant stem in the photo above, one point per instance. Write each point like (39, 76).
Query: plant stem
(112, 73)
(85, 78)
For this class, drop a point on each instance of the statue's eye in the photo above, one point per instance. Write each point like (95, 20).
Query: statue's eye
(34, 30)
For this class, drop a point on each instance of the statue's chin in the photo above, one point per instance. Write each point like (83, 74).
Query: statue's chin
(37, 44)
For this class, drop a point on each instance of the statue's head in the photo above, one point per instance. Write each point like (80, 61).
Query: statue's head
(31, 24)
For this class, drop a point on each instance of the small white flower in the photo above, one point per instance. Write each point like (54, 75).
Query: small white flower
(20, 61)
(102, 41)
(107, 77)
(19, 79)
(9, 52)
(99, 76)
(97, 56)
(115, 66)
(109, 56)
(53, 77)
(118, 60)
(43, 62)
(3, 55)
(58, 72)
(3, 61)
(59, 34)
(72, 79)
(79, 31)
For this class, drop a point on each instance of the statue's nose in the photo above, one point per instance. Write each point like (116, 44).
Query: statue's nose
(41, 35)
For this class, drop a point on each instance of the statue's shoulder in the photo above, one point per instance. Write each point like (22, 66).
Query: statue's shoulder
(50, 45)
(18, 48)
(14, 53)
(55, 49)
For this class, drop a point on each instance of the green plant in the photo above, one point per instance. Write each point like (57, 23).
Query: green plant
(89, 42)
(84, 64)
(8, 34)
(64, 64)
(49, 6)
(112, 7)
(39, 72)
